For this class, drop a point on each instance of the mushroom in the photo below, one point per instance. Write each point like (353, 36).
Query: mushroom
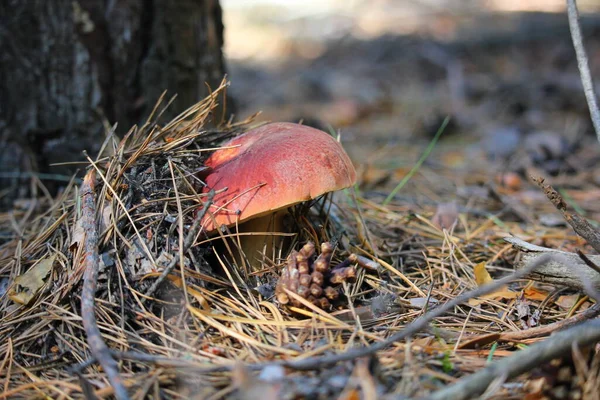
(260, 174)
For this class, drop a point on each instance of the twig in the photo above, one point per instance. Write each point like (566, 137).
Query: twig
(583, 64)
(579, 224)
(98, 348)
(187, 243)
(587, 261)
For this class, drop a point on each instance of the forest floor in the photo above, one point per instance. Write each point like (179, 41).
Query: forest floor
(430, 216)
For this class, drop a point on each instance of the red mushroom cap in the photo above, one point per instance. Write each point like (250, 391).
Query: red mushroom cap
(272, 167)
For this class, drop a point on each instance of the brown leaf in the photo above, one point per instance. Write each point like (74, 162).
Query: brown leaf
(567, 302)
(29, 284)
(532, 293)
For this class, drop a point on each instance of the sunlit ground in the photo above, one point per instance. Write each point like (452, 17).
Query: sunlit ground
(261, 30)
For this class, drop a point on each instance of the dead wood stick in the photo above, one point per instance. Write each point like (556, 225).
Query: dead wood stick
(98, 348)
(187, 243)
(567, 270)
(583, 65)
(579, 224)
(521, 362)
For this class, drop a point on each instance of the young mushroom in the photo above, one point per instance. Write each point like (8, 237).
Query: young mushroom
(265, 171)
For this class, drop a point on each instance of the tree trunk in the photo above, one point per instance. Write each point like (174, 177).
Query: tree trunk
(68, 68)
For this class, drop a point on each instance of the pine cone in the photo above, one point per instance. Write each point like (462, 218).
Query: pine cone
(312, 278)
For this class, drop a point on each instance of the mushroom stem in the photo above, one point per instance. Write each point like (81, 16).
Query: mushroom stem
(260, 237)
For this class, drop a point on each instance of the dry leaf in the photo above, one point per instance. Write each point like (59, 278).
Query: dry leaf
(567, 302)
(28, 285)
(535, 387)
(532, 293)
(483, 277)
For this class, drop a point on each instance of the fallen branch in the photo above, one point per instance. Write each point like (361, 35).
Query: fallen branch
(583, 65)
(98, 348)
(187, 243)
(567, 270)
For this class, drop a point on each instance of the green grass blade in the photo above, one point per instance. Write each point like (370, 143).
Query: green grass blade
(416, 167)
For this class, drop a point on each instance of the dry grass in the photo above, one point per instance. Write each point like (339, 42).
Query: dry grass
(191, 338)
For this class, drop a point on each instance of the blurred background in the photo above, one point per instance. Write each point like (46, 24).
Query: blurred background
(387, 72)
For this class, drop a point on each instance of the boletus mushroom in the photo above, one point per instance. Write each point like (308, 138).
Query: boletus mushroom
(258, 175)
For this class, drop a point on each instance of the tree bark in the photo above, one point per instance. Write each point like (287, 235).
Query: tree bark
(69, 69)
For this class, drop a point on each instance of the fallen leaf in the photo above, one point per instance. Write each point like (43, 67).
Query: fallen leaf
(523, 313)
(535, 387)
(29, 284)
(531, 293)
(567, 302)
(483, 277)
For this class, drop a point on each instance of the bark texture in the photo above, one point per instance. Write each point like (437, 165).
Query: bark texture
(69, 69)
